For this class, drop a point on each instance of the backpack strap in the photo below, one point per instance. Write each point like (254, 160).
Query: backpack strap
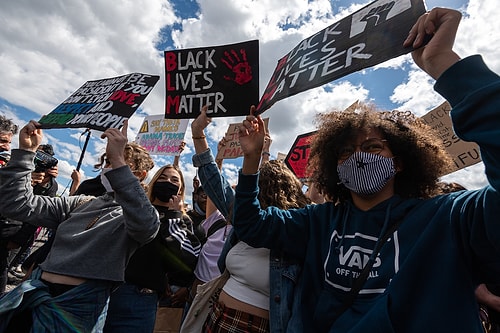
(219, 224)
(363, 276)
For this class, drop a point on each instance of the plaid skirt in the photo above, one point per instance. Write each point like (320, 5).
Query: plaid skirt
(223, 319)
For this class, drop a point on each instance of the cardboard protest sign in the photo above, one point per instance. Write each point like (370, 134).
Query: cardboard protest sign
(281, 157)
(368, 37)
(102, 104)
(232, 148)
(464, 153)
(226, 78)
(297, 157)
(162, 136)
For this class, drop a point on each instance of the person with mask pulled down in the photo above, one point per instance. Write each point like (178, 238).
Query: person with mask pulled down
(95, 237)
(387, 254)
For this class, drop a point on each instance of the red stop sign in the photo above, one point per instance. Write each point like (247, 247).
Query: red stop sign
(297, 157)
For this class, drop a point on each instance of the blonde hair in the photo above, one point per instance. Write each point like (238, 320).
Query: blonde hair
(157, 175)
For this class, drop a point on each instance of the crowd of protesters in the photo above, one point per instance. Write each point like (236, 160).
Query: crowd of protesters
(376, 244)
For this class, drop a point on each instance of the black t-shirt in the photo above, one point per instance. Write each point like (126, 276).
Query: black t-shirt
(92, 186)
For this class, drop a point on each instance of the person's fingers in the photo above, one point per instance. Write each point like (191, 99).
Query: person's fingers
(248, 125)
(421, 30)
(125, 127)
(262, 126)
(242, 131)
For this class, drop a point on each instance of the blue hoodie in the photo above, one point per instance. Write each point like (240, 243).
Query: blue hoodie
(424, 277)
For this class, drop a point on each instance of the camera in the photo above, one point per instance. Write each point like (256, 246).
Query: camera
(44, 161)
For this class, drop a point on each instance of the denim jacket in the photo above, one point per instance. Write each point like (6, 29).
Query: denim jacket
(283, 274)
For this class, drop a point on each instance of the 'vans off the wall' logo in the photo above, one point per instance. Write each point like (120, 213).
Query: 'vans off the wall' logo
(348, 255)
(376, 14)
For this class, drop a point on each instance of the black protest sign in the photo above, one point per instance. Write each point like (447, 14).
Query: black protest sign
(225, 78)
(102, 104)
(368, 37)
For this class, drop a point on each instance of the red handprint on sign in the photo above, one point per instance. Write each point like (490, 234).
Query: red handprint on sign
(239, 66)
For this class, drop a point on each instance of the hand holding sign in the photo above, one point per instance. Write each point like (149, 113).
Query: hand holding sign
(30, 136)
(252, 133)
(438, 54)
(200, 123)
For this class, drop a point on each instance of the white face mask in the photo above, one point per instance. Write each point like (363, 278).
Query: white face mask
(366, 173)
(104, 180)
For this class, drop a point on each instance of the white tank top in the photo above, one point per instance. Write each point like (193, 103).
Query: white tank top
(249, 275)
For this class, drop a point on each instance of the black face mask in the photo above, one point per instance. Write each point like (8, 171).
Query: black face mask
(164, 191)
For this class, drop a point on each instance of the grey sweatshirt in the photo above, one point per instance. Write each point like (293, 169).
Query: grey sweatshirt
(95, 236)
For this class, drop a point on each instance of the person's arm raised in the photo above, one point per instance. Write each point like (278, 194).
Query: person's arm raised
(30, 136)
(252, 133)
(198, 131)
(117, 139)
(438, 55)
(266, 155)
(180, 150)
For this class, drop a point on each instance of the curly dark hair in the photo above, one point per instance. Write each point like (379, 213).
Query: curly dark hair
(279, 187)
(413, 143)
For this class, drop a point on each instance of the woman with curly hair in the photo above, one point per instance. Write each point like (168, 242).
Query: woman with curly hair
(387, 254)
(419, 158)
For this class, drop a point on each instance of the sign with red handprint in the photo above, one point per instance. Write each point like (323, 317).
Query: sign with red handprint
(225, 78)
(366, 38)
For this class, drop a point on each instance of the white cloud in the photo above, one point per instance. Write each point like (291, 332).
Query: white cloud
(48, 49)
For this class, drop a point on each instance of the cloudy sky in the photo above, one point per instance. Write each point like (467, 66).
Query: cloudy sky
(50, 48)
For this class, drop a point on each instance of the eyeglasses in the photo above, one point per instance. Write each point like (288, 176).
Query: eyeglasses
(371, 145)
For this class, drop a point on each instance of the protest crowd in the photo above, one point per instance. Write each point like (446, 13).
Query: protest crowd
(377, 243)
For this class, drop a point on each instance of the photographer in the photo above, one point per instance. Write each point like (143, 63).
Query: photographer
(7, 228)
(43, 178)
(44, 183)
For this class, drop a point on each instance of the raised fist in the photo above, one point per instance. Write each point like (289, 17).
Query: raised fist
(378, 14)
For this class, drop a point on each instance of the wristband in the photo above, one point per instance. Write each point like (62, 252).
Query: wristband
(198, 137)
(266, 153)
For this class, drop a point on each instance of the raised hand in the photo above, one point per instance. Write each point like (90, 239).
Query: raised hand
(200, 123)
(252, 133)
(30, 136)
(117, 139)
(438, 55)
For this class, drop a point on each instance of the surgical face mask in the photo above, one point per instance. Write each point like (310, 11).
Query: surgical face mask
(164, 191)
(104, 180)
(366, 173)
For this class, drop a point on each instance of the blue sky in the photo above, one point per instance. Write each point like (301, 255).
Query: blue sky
(48, 49)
